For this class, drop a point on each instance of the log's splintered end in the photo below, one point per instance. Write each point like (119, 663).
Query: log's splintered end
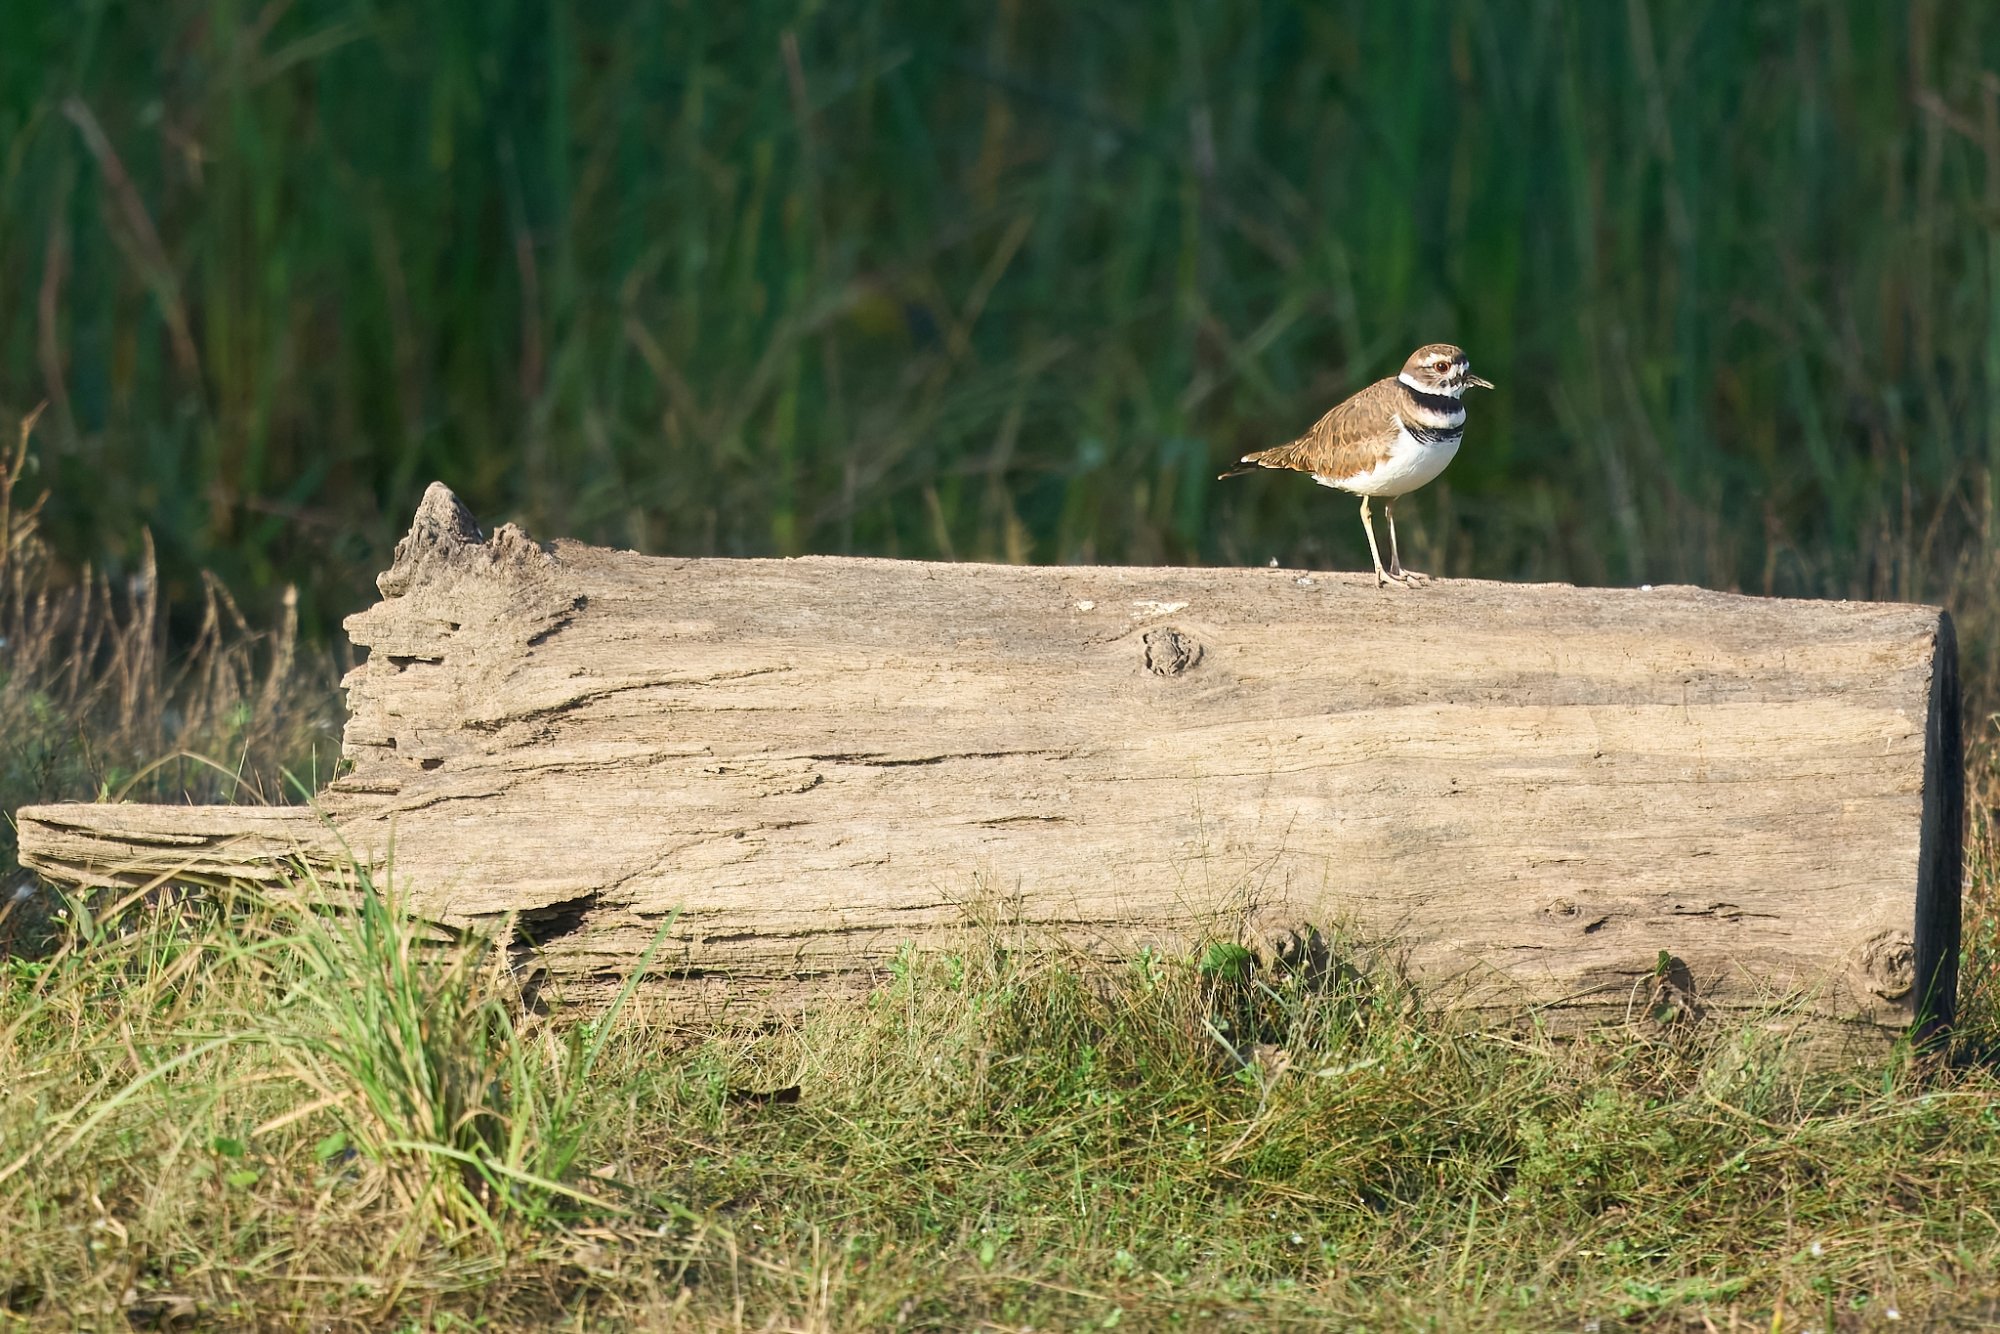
(442, 532)
(442, 527)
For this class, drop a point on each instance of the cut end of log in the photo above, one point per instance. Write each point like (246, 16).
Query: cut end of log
(1941, 853)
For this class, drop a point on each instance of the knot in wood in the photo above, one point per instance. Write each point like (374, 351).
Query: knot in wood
(1169, 652)
(1889, 958)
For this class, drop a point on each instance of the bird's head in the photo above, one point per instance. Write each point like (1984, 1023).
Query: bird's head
(1440, 368)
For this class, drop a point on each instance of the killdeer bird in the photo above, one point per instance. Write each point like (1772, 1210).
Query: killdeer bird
(1385, 442)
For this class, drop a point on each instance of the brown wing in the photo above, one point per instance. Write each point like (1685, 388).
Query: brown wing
(1345, 441)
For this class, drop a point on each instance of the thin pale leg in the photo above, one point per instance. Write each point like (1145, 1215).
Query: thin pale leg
(1396, 570)
(1368, 526)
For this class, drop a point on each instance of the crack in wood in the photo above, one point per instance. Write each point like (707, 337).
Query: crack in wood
(561, 621)
(550, 922)
(577, 700)
(883, 760)
(1726, 912)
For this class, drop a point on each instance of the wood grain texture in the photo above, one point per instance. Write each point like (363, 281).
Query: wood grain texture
(1531, 794)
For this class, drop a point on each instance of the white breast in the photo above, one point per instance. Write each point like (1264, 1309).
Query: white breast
(1410, 464)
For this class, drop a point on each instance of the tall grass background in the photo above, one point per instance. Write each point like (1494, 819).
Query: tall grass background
(1009, 281)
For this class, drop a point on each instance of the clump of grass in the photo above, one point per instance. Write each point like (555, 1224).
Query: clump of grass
(257, 1110)
(419, 1045)
(323, 1060)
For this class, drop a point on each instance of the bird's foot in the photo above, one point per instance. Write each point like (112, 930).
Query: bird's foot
(1407, 578)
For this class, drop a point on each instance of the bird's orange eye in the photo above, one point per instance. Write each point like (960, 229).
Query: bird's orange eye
(1440, 365)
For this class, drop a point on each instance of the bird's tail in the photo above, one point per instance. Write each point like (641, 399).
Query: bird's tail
(1249, 463)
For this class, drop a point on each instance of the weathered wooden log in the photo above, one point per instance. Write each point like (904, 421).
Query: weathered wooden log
(1583, 804)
